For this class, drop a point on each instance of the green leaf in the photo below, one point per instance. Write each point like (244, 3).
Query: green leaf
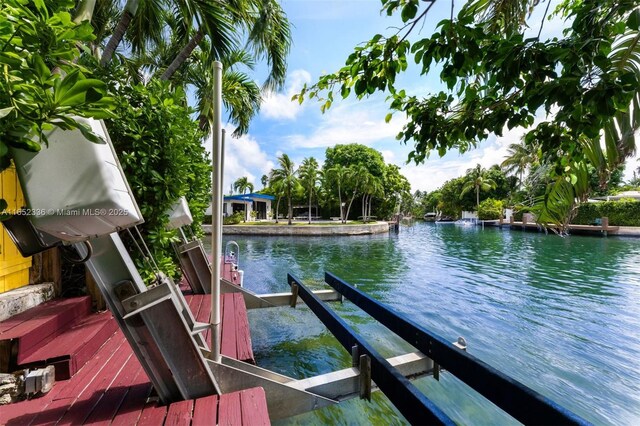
(409, 11)
(5, 111)
(387, 118)
(79, 92)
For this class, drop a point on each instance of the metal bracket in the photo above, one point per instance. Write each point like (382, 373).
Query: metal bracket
(355, 356)
(365, 377)
(294, 295)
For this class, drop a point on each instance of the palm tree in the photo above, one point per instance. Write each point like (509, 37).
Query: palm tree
(243, 185)
(337, 175)
(356, 177)
(264, 180)
(309, 176)
(241, 95)
(285, 176)
(478, 180)
(277, 188)
(146, 19)
(263, 21)
(520, 158)
(371, 186)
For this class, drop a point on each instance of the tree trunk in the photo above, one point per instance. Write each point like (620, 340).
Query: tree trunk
(346, 217)
(116, 38)
(289, 208)
(340, 205)
(183, 55)
(84, 11)
(309, 209)
(477, 197)
(364, 208)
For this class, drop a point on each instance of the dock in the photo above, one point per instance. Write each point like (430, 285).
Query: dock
(603, 228)
(107, 383)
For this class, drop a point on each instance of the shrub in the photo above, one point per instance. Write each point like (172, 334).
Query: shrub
(234, 219)
(159, 147)
(620, 213)
(490, 209)
(36, 37)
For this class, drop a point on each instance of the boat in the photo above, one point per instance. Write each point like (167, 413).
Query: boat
(466, 222)
(446, 220)
(430, 217)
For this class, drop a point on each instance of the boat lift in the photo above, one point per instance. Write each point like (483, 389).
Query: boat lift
(169, 343)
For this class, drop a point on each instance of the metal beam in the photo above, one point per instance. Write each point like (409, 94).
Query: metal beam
(282, 400)
(412, 403)
(521, 402)
(345, 384)
(270, 300)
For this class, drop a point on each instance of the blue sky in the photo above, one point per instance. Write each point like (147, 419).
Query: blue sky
(324, 34)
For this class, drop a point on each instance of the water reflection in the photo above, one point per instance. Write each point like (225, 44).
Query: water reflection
(561, 315)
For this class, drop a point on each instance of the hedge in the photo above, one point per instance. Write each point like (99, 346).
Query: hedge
(490, 209)
(620, 213)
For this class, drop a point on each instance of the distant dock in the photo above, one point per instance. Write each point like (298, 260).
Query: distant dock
(603, 228)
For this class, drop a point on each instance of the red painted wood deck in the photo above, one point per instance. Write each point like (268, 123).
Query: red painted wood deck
(236, 335)
(26, 332)
(112, 387)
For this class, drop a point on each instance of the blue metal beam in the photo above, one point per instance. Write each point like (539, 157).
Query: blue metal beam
(412, 403)
(516, 399)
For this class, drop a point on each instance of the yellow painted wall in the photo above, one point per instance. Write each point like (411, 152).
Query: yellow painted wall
(14, 269)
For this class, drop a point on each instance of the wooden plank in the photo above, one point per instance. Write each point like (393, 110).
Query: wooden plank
(53, 406)
(108, 406)
(205, 412)
(74, 387)
(179, 413)
(48, 312)
(90, 348)
(99, 303)
(228, 345)
(244, 349)
(75, 338)
(52, 269)
(229, 410)
(254, 407)
(152, 415)
(131, 407)
(94, 391)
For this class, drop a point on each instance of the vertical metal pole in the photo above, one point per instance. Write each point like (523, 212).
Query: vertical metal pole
(216, 211)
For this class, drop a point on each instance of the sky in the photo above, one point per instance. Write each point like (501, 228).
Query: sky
(324, 34)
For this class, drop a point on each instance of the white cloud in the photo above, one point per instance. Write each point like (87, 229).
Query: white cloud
(348, 124)
(436, 171)
(243, 157)
(279, 105)
(388, 155)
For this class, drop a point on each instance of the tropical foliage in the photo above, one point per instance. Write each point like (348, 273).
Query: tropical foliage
(37, 48)
(353, 178)
(490, 209)
(242, 185)
(587, 83)
(310, 175)
(285, 180)
(620, 213)
(49, 61)
(159, 147)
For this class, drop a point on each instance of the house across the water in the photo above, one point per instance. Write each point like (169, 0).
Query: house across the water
(247, 203)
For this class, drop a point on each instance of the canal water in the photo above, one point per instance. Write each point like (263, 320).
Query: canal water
(561, 315)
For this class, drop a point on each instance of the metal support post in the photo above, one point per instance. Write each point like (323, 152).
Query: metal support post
(216, 211)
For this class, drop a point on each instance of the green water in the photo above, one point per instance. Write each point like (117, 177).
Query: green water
(561, 315)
